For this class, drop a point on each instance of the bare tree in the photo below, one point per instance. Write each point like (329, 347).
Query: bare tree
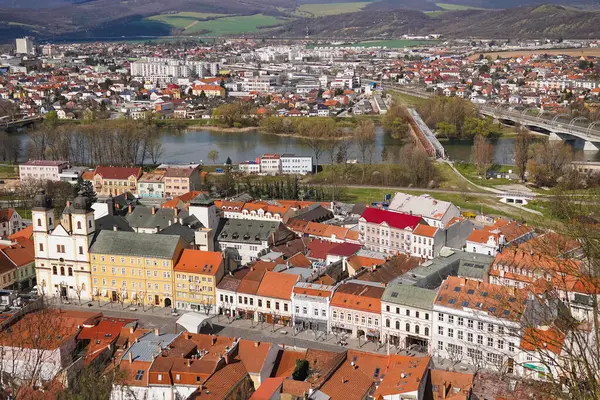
(522, 143)
(365, 139)
(29, 349)
(483, 155)
(78, 289)
(549, 161)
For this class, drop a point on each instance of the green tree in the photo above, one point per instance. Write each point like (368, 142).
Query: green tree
(86, 188)
(395, 123)
(446, 129)
(301, 370)
(213, 155)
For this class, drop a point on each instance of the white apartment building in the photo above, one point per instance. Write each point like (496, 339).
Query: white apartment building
(310, 303)
(407, 316)
(25, 46)
(434, 212)
(427, 241)
(387, 231)
(292, 164)
(356, 309)
(249, 167)
(263, 83)
(270, 164)
(62, 261)
(43, 170)
(167, 68)
(478, 323)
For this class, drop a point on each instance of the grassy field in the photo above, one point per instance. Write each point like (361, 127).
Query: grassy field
(455, 7)
(183, 20)
(469, 171)
(234, 25)
(320, 10)
(407, 99)
(24, 213)
(8, 172)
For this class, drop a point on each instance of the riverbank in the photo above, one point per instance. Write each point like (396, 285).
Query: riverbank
(217, 128)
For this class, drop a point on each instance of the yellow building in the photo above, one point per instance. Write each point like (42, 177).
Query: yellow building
(116, 180)
(134, 268)
(196, 276)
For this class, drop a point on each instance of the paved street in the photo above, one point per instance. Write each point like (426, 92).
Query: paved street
(163, 319)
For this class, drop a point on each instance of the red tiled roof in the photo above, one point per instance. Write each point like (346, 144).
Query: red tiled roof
(393, 219)
(118, 172)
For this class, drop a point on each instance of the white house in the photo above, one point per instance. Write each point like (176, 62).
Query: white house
(407, 316)
(478, 323)
(270, 164)
(310, 305)
(10, 222)
(292, 164)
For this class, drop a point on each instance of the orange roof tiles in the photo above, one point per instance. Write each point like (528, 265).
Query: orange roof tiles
(499, 301)
(403, 374)
(253, 354)
(287, 362)
(199, 262)
(277, 285)
(316, 291)
(250, 282)
(451, 385)
(425, 230)
(549, 338)
(347, 383)
(299, 260)
(358, 297)
(26, 233)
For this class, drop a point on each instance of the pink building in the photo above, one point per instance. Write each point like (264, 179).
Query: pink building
(180, 180)
(42, 170)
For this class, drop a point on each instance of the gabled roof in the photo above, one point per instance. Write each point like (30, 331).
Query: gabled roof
(121, 173)
(199, 262)
(394, 219)
(358, 297)
(277, 285)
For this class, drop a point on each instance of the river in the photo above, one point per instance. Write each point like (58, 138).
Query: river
(194, 145)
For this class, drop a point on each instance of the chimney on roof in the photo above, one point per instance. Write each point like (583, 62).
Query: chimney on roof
(68, 203)
(344, 380)
(176, 211)
(130, 357)
(256, 344)
(153, 210)
(129, 209)
(213, 340)
(156, 332)
(444, 389)
(189, 336)
(131, 329)
(170, 222)
(180, 221)
(115, 228)
(189, 363)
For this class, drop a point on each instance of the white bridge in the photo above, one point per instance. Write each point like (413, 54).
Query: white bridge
(559, 126)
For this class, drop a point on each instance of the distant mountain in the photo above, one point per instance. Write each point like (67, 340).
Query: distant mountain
(74, 19)
(546, 21)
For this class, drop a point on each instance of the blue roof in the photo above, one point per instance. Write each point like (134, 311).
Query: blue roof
(150, 345)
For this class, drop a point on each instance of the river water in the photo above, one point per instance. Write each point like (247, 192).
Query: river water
(194, 145)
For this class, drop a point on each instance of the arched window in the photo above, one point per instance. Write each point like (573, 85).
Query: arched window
(387, 323)
(407, 327)
(398, 325)
(39, 223)
(54, 270)
(417, 329)
(50, 221)
(89, 223)
(70, 271)
(426, 331)
(62, 271)
(78, 224)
